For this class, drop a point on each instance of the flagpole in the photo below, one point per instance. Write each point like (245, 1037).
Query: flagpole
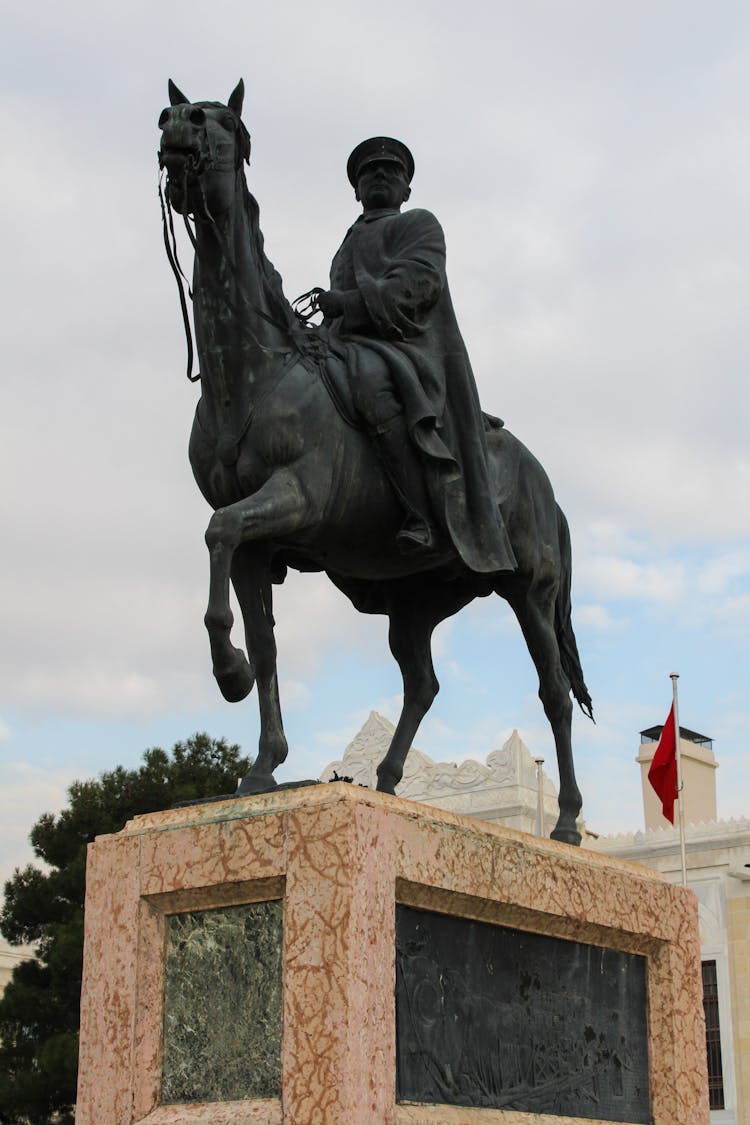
(674, 677)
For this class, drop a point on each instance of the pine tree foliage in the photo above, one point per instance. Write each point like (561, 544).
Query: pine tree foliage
(39, 1011)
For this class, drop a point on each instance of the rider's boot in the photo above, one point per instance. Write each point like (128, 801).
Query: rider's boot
(406, 473)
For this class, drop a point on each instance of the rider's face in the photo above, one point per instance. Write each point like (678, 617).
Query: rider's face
(382, 184)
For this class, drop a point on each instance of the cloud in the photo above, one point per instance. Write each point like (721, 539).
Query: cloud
(456, 670)
(442, 638)
(735, 612)
(637, 570)
(297, 695)
(93, 692)
(390, 706)
(599, 260)
(720, 574)
(27, 792)
(315, 620)
(597, 617)
(610, 576)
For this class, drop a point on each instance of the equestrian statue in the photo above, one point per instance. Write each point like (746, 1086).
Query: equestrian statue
(354, 446)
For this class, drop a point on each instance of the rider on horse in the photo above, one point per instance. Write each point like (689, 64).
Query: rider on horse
(390, 323)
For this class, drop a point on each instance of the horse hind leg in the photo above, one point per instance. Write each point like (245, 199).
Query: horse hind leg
(535, 613)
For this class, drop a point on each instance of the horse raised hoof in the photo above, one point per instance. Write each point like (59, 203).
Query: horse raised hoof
(236, 678)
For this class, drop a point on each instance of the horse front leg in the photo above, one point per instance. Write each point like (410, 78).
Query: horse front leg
(410, 637)
(232, 670)
(276, 509)
(415, 608)
(252, 583)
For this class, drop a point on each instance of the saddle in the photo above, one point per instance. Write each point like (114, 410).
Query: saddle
(313, 344)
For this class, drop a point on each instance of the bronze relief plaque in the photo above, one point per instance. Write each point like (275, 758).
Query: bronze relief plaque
(493, 1017)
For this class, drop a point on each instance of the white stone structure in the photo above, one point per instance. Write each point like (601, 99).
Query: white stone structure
(503, 790)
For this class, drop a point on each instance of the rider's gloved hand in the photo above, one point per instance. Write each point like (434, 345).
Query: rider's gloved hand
(331, 303)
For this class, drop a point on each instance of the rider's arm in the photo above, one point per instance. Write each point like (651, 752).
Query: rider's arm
(401, 298)
(347, 304)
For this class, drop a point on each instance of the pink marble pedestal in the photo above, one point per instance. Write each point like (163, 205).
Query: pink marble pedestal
(341, 857)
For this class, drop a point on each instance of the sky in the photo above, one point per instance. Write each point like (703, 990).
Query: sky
(590, 165)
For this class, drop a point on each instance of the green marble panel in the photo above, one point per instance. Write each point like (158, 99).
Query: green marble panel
(222, 1004)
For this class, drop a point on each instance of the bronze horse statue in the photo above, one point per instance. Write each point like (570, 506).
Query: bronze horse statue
(293, 481)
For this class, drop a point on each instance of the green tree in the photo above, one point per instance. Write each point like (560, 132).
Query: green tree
(39, 1014)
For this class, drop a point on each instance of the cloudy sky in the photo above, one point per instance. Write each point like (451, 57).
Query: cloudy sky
(590, 164)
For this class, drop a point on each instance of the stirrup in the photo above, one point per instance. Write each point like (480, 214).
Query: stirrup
(415, 535)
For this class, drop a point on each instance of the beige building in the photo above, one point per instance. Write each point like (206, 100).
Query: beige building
(505, 788)
(698, 776)
(718, 871)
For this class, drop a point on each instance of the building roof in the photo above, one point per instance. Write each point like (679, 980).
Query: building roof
(653, 734)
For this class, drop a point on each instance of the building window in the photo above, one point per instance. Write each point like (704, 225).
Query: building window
(713, 1038)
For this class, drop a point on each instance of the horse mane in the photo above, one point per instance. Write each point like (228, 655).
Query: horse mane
(279, 307)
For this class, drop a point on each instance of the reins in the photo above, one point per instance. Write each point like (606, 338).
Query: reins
(306, 343)
(170, 245)
(174, 262)
(214, 162)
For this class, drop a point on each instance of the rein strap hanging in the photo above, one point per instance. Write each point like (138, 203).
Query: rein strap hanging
(167, 226)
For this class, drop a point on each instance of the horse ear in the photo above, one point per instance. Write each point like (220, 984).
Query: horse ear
(237, 97)
(176, 96)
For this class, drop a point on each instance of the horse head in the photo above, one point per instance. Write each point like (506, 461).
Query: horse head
(203, 146)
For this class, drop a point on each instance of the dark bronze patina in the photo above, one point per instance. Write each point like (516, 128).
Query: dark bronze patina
(497, 1018)
(357, 447)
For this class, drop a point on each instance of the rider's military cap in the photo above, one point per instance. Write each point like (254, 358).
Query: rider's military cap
(379, 148)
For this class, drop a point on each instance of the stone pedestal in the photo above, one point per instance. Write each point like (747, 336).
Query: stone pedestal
(240, 967)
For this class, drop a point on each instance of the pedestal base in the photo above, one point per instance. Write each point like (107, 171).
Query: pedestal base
(286, 1014)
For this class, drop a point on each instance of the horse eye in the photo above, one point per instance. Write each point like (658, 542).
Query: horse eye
(163, 118)
(228, 122)
(197, 117)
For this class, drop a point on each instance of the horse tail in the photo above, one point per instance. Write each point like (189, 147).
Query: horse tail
(569, 658)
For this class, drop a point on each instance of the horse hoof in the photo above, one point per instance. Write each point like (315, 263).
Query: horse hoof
(386, 785)
(260, 783)
(236, 683)
(566, 836)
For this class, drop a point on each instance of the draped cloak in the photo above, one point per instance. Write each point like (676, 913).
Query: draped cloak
(390, 271)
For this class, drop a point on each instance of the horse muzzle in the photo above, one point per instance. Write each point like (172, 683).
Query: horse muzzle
(181, 161)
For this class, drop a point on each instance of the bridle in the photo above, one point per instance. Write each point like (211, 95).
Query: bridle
(210, 158)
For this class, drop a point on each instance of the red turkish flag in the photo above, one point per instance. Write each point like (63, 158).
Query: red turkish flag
(662, 772)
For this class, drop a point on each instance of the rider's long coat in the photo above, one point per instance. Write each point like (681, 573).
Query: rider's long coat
(391, 268)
